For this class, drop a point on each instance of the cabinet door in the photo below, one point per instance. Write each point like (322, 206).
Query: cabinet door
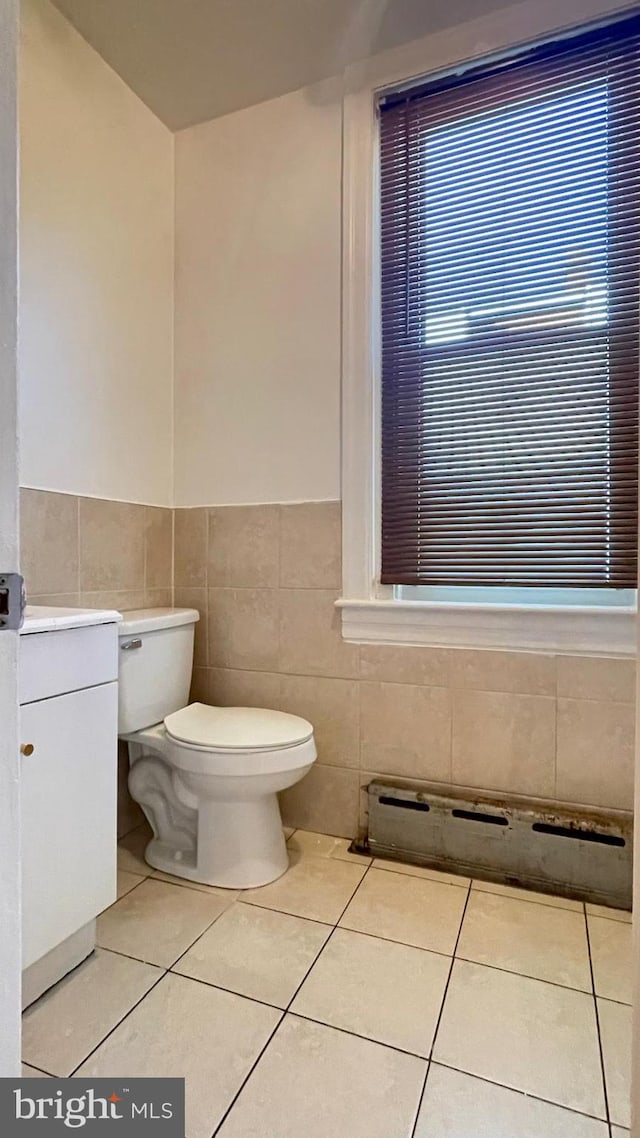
(68, 805)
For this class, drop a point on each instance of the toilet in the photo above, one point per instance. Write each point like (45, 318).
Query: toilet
(206, 778)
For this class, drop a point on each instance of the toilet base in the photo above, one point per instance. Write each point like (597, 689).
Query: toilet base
(210, 826)
(239, 845)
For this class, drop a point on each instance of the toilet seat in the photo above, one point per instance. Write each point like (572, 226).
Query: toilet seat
(236, 729)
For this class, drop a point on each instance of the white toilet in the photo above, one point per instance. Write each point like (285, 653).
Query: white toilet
(205, 777)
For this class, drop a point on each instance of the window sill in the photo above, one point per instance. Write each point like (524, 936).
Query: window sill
(533, 628)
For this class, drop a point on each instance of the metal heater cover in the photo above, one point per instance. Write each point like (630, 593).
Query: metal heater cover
(577, 853)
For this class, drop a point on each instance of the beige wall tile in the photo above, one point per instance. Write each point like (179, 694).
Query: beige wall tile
(122, 600)
(159, 598)
(326, 800)
(597, 677)
(243, 629)
(230, 688)
(190, 598)
(596, 753)
(332, 706)
(311, 544)
(190, 547)
(111, 545)
(55, 600)
(158, 537)
(244, 546)
(311, 641)
(200, 686)
(531, 673)
(406, 730)
(49, 541)
(504, 741)
(405, 664)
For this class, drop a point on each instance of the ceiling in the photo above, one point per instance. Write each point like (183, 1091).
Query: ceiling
(191, 60)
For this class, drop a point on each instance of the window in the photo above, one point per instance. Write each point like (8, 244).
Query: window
(509, 307)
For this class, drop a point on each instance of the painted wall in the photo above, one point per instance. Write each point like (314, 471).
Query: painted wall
(96, 267)
(258, 303)
(258, 280)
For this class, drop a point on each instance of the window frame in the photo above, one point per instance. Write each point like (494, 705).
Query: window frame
(370, 613)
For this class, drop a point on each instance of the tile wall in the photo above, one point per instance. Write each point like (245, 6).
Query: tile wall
(264, 579)
(96, 553)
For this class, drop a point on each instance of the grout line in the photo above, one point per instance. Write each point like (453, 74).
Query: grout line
(478, 885)
(286, 1012)
(357, 1035)
(333, 930)
(165, 971)
(128, 956)
(598, 1032)
(438, 1021)
(284, 912)
(120, 1021)
(48, 1074)
(247, 1076)
(526, 975)
(517, 1091)
(221, 988)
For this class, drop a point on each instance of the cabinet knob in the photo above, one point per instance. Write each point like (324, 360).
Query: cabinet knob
(26, 748)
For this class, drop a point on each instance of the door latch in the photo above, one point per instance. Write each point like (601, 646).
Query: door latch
(12, 601)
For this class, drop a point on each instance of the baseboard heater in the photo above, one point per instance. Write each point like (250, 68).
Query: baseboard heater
(578, 853)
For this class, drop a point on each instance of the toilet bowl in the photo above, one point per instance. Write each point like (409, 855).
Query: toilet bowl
(206, 778)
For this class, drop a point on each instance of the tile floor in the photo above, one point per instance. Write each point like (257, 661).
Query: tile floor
(353, 998)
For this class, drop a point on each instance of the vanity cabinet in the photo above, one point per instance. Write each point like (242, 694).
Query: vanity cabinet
(69, 723)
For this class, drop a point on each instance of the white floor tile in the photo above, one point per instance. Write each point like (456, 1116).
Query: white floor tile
(613, 914)
(524, 1034)
(31, 1073)
(611, 955)
(460, 1106)
(186, 1029)
(315, 1082)
(131, 851)
(313, 887)
(65, 1024)
(619, 1132)
(256, 952)
(615, 1032)
(421, 913)
(528, 895)
(421, 871)
(127, 881)
(540, 941)
(309, 844)
(157, 922)
(385, 991)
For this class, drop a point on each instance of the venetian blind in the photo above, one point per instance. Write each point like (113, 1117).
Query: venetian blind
(509, 296)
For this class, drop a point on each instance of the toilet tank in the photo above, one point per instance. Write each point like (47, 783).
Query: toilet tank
(155, 659)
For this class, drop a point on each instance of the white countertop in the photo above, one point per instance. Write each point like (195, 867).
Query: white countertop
(41, 618)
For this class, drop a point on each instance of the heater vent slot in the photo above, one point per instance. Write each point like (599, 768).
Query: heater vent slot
(578, 835)
(478, 816)
(405, 804)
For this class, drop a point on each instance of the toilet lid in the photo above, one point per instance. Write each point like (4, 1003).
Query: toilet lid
(237, 728)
